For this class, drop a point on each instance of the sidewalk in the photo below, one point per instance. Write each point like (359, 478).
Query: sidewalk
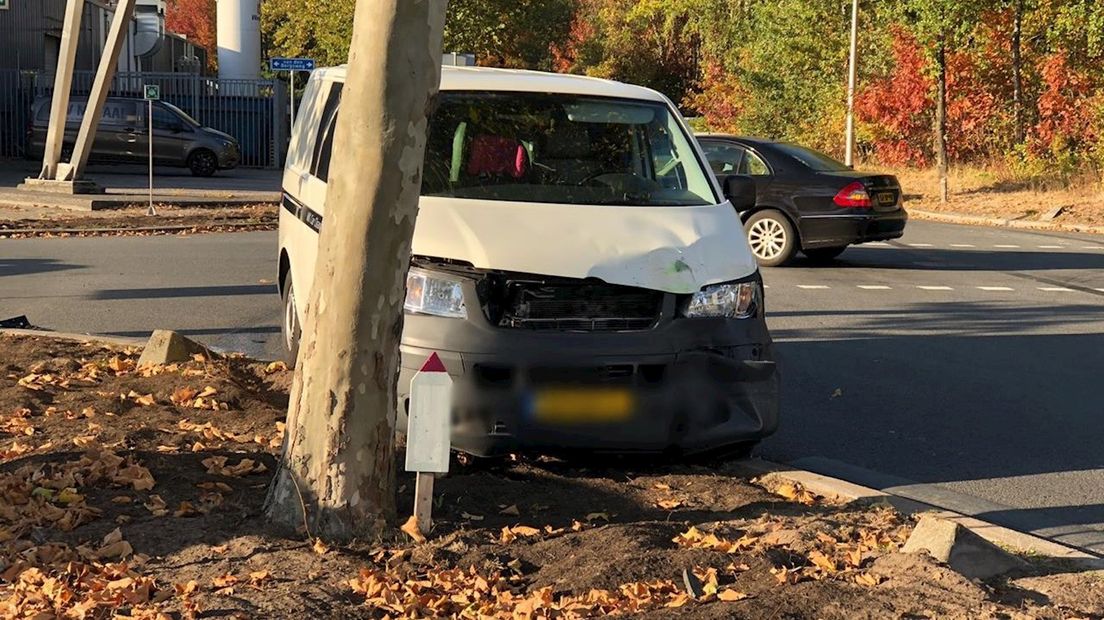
(127, 185)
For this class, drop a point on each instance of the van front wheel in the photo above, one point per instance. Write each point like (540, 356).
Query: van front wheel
(203, 163)
(290, 329)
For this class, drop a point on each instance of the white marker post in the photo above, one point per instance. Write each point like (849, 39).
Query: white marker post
(428, 436)
(152, 93)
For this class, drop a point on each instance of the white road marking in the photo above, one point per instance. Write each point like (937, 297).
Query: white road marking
(996, 288)
(935, 288)
(873, 287)
(963, 245)
(920, 245)
(1006, 246)
(812, 286)
(1050, 247)
(1055, 289)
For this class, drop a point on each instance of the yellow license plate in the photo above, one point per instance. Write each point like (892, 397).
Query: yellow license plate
(583, 405)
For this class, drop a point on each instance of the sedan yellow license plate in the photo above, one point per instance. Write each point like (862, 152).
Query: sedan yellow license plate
(578, 405)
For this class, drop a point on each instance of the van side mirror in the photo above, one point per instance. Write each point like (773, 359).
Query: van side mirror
(739, 189)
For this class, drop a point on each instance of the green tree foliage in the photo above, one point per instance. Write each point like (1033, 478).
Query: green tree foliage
(509, 33)
(318, 29)
(778, 68)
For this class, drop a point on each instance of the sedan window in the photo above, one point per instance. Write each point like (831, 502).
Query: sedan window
(813, 159)
(723, 158)
(754, 165)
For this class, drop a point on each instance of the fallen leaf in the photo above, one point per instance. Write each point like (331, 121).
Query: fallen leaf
(182, 395)
(511, 510)
(320, 547)
(837, 393)
(186, 509)
(822, 562)
(867, 579)
(224, 581)
(471, 517)
(598, 515)
(728, 594)
(275, 367)
(669, 504)
(411, 529)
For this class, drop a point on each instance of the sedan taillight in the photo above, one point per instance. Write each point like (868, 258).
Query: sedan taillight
(853, 196)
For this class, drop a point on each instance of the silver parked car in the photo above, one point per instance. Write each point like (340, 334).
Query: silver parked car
(122, 136)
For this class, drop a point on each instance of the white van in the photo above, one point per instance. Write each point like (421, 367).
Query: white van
(575, 265)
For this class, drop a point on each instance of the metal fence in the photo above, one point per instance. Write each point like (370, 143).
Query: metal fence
(15, 111)
(253, 111)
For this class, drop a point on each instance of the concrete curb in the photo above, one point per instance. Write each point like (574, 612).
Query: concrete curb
(119, 341)
(100, 202)
(996, 534)
(11, 232)
(977, 220)
(122, 341)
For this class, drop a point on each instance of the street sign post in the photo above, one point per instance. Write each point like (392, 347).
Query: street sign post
(152, 92)
(291, 65)
(428, 436)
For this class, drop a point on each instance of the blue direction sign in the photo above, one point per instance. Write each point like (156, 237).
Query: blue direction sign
(292, 64)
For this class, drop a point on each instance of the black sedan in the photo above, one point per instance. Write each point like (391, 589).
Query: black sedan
(805, 200)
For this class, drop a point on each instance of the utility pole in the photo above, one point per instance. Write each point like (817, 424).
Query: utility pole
(852, 75)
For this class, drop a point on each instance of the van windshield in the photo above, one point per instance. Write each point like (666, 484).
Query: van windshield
(563, 149)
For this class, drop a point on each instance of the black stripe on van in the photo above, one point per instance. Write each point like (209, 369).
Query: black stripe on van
(302, 212)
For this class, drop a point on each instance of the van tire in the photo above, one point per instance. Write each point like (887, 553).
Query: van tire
(290, 329)
(203, 163)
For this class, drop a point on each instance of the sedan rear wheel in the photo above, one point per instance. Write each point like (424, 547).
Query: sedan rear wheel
(771, 237)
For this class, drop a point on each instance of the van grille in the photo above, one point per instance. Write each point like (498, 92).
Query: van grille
(572, 305)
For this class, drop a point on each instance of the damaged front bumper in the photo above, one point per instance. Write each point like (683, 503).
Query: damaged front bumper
(684, 385)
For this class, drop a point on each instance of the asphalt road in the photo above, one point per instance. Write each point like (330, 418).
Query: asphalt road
(961, 366)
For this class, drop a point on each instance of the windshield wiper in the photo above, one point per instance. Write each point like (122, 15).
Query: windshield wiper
(628, 199)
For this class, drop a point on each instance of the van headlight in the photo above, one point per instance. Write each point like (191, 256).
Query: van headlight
(430, 293)
(734, 301)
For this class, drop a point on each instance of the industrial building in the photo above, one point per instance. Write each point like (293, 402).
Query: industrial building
(31, 32)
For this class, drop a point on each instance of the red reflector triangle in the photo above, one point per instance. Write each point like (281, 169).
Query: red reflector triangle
(433, 364)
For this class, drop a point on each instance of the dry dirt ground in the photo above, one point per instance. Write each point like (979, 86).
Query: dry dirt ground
(985, 194)
(132, 492)
(131, 221)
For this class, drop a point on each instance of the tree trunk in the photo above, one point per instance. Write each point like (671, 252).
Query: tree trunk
(1017, 73)
(941, 121)
(338, 457)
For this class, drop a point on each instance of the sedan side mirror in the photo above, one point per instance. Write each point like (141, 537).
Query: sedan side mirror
(739, 189)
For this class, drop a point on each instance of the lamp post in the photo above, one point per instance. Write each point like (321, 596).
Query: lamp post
(852, 73)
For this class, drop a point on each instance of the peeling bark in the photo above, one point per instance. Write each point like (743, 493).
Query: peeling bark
(339, 449)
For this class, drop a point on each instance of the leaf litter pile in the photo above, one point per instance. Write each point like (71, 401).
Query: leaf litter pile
(133, 221)
(130, 492)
